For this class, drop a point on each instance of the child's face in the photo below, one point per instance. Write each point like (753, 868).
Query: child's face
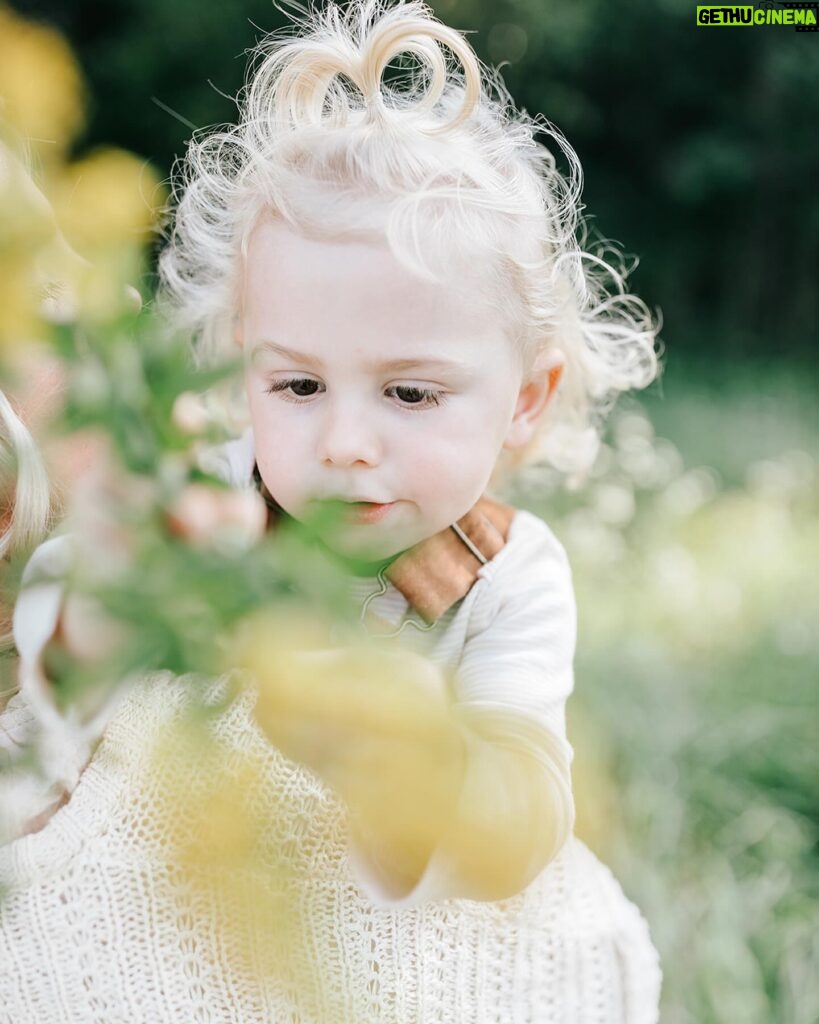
(386, 389)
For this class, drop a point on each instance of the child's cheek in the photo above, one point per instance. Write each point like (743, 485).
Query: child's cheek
(454, 456)
(280, 462)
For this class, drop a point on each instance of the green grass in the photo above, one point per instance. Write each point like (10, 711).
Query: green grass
(694, 713)
(729, 416)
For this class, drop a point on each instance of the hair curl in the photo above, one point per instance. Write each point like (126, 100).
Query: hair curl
(444, 167)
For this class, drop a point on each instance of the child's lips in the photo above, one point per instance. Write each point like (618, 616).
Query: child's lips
(367, 511)
(354, 511)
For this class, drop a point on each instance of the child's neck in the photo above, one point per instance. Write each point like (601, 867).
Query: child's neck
(356, 566)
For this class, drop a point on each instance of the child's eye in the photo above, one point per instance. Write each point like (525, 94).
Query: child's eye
(300, 389)
(422, 397)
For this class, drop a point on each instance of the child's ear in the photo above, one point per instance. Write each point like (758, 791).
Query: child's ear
(539, 386)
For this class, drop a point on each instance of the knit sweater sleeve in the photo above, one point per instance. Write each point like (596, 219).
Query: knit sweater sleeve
(511, 686)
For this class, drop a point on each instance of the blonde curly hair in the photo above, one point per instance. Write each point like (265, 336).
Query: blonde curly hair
(441, 164)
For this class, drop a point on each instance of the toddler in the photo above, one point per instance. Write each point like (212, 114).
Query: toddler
(401, 272)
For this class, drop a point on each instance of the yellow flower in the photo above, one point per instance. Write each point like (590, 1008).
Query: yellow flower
(35, 260)
(71, 244)
(107, 204)
(41, 89)
(107, 199)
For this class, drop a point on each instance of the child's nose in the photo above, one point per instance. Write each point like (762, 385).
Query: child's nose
(347, 436)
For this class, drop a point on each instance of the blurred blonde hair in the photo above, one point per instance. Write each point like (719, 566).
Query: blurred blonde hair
(445, 168)
(27, 497)
(25, 514)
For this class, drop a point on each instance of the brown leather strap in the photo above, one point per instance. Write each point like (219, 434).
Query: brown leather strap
(435, 573)
(440, 570)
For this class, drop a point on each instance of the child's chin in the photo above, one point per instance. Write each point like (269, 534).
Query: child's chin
(365, 544)
(356, 542)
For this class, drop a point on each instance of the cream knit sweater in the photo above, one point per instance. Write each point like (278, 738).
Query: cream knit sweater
(100, 923)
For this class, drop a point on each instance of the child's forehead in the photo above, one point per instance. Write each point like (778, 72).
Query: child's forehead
(287, 250)
(455, 362)
(294, 282)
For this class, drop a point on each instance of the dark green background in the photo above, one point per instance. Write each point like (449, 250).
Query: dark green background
(700, 148)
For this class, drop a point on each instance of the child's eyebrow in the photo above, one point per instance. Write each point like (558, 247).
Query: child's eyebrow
(262, 347)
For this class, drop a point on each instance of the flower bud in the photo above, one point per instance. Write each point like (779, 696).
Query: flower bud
(208, 517)
(189, 414)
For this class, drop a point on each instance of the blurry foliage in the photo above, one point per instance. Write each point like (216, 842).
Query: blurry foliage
(170, 554)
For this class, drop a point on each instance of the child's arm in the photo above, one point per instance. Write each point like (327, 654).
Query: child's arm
(511, 816)
(515, 808)
(512, 685)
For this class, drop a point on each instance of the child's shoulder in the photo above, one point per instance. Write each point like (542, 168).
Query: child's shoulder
(528, 581)
(532, 549)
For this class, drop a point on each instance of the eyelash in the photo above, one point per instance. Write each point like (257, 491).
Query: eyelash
(430, 398)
